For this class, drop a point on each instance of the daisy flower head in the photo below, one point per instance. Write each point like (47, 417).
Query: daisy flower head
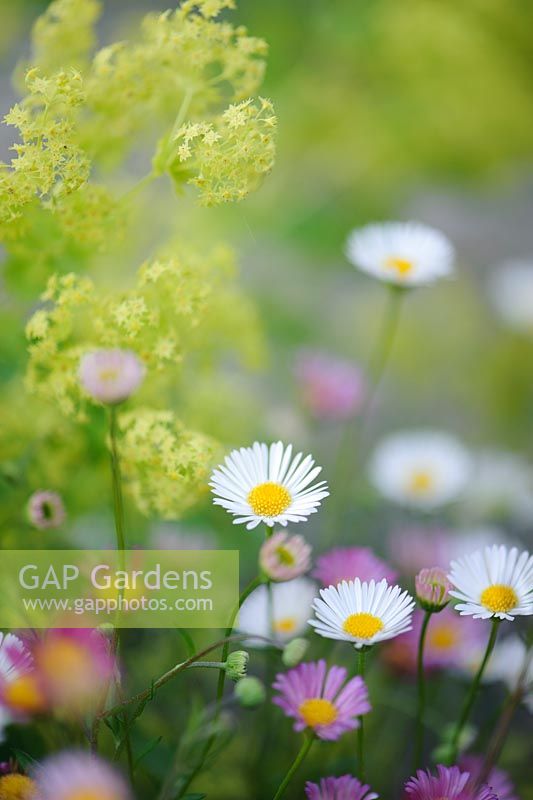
(344, 788)
(286, 619)
(321, 699)
(348, 563)
(423, 469)
(267, 484)
(111, 376)
(15, 658)
(45, 510)
(432, 589)
(402, 253)
(449, 784)
(73, 775)
(362, 613)
(511, 293)
(283, 557)
(494, 582)
(452, 642)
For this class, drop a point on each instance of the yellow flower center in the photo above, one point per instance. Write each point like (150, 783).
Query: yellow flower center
(421, 481)
(269, 499)
(317, 711)
(17, 787)
(108, 374)
(499, 597)
(363, 625)
(24, 695)
(285, 625)
(443, 637)
(90, 794)
(285, 556)
(400, 265)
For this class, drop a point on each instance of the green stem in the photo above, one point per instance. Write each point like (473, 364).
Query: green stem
(220, 686)
(469, 702)
(306, 746)
(419, 736)
(376, 369)
(361, 653)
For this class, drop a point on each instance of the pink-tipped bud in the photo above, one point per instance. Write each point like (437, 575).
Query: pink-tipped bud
(432, 589)
(284, 557)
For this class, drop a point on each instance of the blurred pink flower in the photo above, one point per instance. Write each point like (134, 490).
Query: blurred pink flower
(349, 563)
(319, 699)
(284, 556)
(331, 388)
(498, 780)
(74, 666)
(46, 510)
(73, 775)
(343, 788)
(111, 376)
(451, 641)
(449, 784)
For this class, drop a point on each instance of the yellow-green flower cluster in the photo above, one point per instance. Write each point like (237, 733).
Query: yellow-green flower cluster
(64, 34)
(231, 154)
(49, 163)
(178, 304)
(165, 465)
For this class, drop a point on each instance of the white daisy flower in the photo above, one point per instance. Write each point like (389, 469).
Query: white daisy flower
(424, 469)
(511, 663)
(265, 484)
(511, 293)
(362, 613)
(403, 253)
(494, 582)
(287, 618)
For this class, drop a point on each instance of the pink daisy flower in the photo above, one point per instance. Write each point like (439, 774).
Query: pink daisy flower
(349, 563)
(74, 666)
(497, 779)
(331, 388)
(111, 376)
(322, 700)
(450, 643)
(72, 775)
(46, 510)
(449, 784)
(343, 788)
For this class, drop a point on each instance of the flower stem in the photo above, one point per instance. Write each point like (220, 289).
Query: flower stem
(306, 746)
(419, 736)
(469, 702)
(257, 581)
(361, 663)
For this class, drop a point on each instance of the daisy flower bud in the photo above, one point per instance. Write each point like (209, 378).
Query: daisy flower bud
(283, 557)
(294, 652)
(250, 692)
(45, 510)
(111, 376)
(432, 588)
(402, 253)
(237, 664)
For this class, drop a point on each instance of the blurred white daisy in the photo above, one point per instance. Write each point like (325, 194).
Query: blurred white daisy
(494, 582)
(425, 469)
(362, 613)
(266, 484)
(403, 253)
(279, 612)
(511, 292)
(511, 663)
(501, 487)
